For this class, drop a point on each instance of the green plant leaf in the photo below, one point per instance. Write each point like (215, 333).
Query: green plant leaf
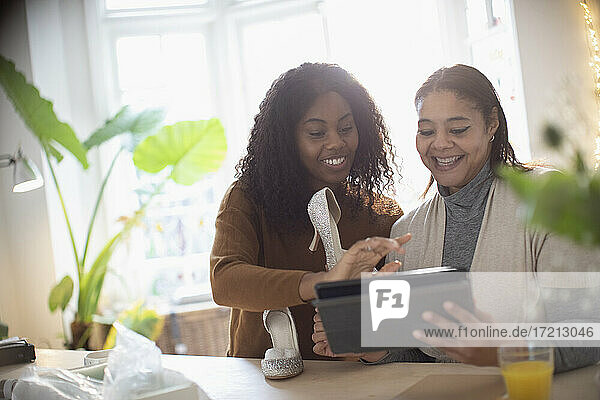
(553, 136)
(61, 294)
(139, 319)
(116, 125)
(566, 203)
(520, 182)
(147, 120)
(55, 153)
(92, 281)
(3, 330)
(38, 113)
(126, 121)
(193, 148)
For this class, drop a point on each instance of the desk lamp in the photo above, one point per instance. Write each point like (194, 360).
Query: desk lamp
(26, 176)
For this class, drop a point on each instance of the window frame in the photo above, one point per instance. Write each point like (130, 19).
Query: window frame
(221, 23)
(224, 21)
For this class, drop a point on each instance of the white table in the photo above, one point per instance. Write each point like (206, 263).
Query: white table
(238, 378)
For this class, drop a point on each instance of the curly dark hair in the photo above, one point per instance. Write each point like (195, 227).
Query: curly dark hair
(470, 84)
(272, 172)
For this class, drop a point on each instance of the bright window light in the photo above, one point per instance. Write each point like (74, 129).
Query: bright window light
(168, 71)
(271, 47)
(134, 4)
(219, 60)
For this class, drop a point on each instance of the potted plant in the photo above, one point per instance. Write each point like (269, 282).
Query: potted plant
(189, 148)
(3, 330)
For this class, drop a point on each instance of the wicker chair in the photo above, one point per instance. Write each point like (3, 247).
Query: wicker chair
(199, 332)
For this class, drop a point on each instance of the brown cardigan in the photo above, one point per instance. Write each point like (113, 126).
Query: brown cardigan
(253, 268)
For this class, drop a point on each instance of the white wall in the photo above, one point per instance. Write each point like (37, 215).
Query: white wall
(47, 41)
(552, 46)
(26, 257)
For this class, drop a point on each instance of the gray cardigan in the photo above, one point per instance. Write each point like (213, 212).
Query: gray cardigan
(504, 244)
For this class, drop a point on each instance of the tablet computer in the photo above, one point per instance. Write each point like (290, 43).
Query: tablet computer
(341, 304)
(326, 290)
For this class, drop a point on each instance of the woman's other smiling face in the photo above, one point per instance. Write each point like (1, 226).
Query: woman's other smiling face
(453, 138)
(327, 139)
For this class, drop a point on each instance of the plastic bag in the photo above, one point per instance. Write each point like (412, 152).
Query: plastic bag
(134, 371)
(55, 384)
(134, 366)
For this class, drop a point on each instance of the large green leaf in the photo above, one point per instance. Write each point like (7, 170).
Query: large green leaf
(193, 148)
(138, 125)
(38, 113)
(61, 294)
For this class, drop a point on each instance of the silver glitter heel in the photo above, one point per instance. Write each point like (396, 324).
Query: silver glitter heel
(283, 360)
(325, 213)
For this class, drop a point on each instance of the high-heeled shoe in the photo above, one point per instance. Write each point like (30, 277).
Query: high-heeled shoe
(325, 213)
(283, 360)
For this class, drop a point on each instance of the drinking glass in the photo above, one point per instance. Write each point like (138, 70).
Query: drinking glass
(527, 371)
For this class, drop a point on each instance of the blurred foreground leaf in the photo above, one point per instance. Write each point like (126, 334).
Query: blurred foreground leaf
(139, 319)
(566, 203)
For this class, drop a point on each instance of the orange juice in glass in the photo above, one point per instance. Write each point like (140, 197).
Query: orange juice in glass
(527, 372)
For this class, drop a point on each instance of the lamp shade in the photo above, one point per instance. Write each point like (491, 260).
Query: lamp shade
(26, 176)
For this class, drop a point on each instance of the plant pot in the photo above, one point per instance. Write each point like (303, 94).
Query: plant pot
(98, 335)
(80, 334)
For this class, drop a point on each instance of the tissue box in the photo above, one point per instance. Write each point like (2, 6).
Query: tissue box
(180, 392)
(177, 390)
(185, 391)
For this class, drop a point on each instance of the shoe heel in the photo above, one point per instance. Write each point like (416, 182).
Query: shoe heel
(283, 360)
(325, 213)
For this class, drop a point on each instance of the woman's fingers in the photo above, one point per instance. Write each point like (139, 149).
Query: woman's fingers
(460, 313)
(480, 356)
(363, 255)
(419, 334)
(394, 266)
(382, 246)
(375, 245)
(317, 317)
(322, 349)
(438, 320)
(318, 336)
(401, 240)
(318, 327)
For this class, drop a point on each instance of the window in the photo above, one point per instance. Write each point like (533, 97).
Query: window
(141, 4)
(491, 38)
(218, 57)
(270, 47)
(165, 70)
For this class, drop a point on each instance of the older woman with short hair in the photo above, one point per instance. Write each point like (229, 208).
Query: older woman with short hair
(471, 222)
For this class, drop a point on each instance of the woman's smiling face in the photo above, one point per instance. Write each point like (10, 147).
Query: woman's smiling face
(327, 139)
(453, 138)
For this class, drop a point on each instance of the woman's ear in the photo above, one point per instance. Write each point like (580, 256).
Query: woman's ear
(493, 122)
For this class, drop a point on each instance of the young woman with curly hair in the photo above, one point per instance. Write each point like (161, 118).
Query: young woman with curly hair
(316, 127)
